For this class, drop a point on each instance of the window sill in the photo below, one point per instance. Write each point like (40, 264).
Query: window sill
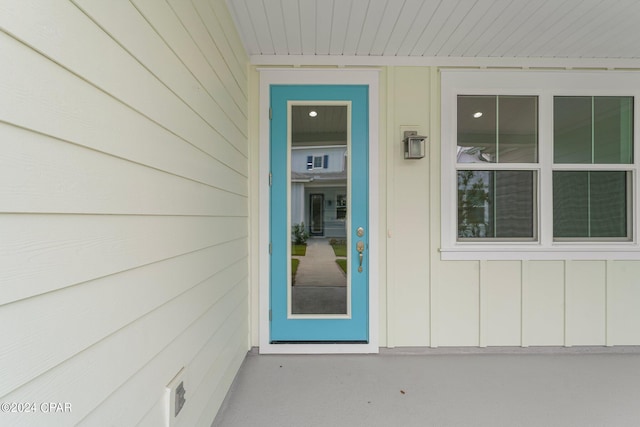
(627, 251)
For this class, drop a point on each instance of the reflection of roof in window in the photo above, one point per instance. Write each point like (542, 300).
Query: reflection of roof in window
(473, 155)
(318, 177)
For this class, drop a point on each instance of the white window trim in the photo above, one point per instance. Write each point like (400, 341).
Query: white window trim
(321, 157)
(544, 84)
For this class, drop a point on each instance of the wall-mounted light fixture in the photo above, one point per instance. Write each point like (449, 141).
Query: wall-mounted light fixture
(413, 145)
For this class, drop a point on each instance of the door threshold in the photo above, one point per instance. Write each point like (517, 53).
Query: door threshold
(320, 342)
(319, 348)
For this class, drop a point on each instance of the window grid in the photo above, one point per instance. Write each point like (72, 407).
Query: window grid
(546, 85)
(492, 168)
(625, 142)
(537, 167)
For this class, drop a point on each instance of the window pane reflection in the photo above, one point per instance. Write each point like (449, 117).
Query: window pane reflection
(593, 129)
(319, 209)
(496, 204)
(497, 129)
(590, 204)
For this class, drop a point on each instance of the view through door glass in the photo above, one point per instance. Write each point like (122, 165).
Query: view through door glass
(319, 209)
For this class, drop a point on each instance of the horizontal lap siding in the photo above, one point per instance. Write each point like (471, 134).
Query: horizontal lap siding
(123, 207)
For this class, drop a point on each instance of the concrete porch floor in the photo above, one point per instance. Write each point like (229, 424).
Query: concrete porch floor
(438, 387)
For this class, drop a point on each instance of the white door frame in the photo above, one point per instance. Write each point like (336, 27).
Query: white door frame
(268, 77)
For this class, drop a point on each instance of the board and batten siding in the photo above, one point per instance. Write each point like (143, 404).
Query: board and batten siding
(123, 208)
(428, 302)
(482, 303)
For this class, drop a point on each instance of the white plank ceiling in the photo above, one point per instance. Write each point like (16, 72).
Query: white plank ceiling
(439, 31)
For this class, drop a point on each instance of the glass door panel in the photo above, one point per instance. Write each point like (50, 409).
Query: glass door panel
(319, 135)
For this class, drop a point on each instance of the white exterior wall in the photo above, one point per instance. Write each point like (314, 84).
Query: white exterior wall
(425, 301)
(123, 208)
(298, 213)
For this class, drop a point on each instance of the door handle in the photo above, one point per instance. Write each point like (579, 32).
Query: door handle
(360, 249)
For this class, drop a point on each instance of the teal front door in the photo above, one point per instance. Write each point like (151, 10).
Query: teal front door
(319, 210)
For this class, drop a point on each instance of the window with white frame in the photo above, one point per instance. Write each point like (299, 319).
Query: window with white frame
(495, 199)
(538, 164)
(589, 203)
(317, 162)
